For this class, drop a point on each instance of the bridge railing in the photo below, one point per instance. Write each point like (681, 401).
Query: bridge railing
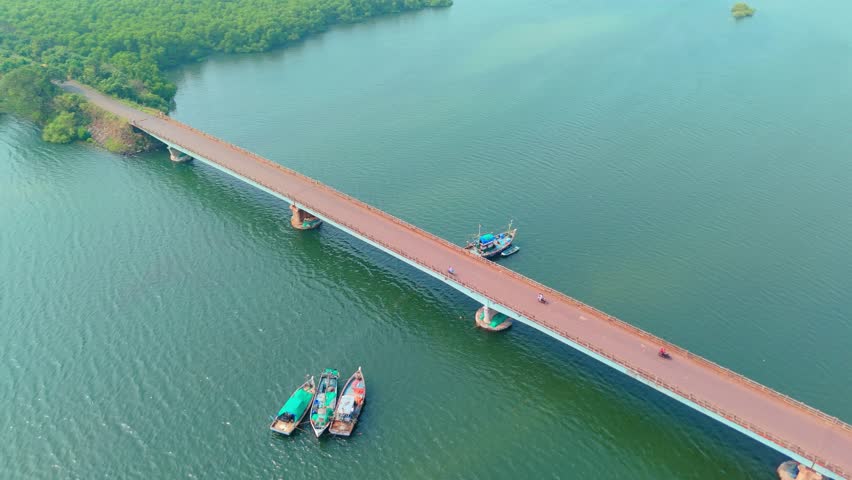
(637, 371)
(505, 271)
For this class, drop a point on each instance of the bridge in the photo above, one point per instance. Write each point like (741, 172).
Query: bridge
(807, 435)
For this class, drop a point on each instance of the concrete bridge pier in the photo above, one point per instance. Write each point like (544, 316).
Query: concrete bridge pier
(792, 470)
(177, 156)
(302, 220)
(490, 319)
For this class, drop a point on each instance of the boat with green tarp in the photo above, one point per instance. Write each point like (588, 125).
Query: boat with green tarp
(322, 408)
(293, 412)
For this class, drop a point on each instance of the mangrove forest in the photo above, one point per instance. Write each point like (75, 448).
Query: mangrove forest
(122, 47)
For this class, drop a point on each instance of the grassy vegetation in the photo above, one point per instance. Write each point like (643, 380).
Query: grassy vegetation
(122, 47)
(115, 134)
(742, 10)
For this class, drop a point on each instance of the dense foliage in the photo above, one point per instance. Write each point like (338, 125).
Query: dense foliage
(28, 91)
(121, 47)
(741, 10)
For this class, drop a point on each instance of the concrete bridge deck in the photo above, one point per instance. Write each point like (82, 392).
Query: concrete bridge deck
(793, 428)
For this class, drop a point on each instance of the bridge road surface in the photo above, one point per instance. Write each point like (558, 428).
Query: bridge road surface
(799, 431)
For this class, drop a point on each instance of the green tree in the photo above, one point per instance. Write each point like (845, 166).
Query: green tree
(742, 10)
(68, 102)
(62, 129)
(28, 92)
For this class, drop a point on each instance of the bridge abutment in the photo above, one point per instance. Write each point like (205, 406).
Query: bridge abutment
(490, 319)
(302, 220)
(177, 156)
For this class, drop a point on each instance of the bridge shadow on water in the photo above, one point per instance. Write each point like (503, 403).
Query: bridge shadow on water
(583, 394)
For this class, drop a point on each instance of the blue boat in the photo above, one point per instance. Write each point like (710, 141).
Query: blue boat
(490, 244)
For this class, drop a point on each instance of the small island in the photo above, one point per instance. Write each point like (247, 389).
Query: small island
(742, 10)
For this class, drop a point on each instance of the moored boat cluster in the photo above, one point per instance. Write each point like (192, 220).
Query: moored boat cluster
(327, 406)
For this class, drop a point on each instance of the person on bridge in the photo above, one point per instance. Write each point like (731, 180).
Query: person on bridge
(451, 270)
(540, 298)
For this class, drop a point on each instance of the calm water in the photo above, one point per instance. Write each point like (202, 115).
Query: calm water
(685, 172)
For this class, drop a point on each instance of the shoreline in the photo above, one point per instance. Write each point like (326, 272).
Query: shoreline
(142, 82)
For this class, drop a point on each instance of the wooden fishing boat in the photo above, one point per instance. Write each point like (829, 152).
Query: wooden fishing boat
(510, 251)
(322, 408)
(490, 245)
(294, 411)
(352, 400)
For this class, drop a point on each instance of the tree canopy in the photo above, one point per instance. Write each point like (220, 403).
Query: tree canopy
(121, 47)
(27, 91)
(741, 10)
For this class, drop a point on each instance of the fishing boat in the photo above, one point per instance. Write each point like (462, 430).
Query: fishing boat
(292, 413)
(510, 251)
(322, 408)
(351, 403)
(489, 245)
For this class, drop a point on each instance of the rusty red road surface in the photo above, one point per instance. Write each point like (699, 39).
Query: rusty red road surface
(822, 439)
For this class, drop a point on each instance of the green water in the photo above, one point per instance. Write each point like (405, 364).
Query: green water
(664, 163)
